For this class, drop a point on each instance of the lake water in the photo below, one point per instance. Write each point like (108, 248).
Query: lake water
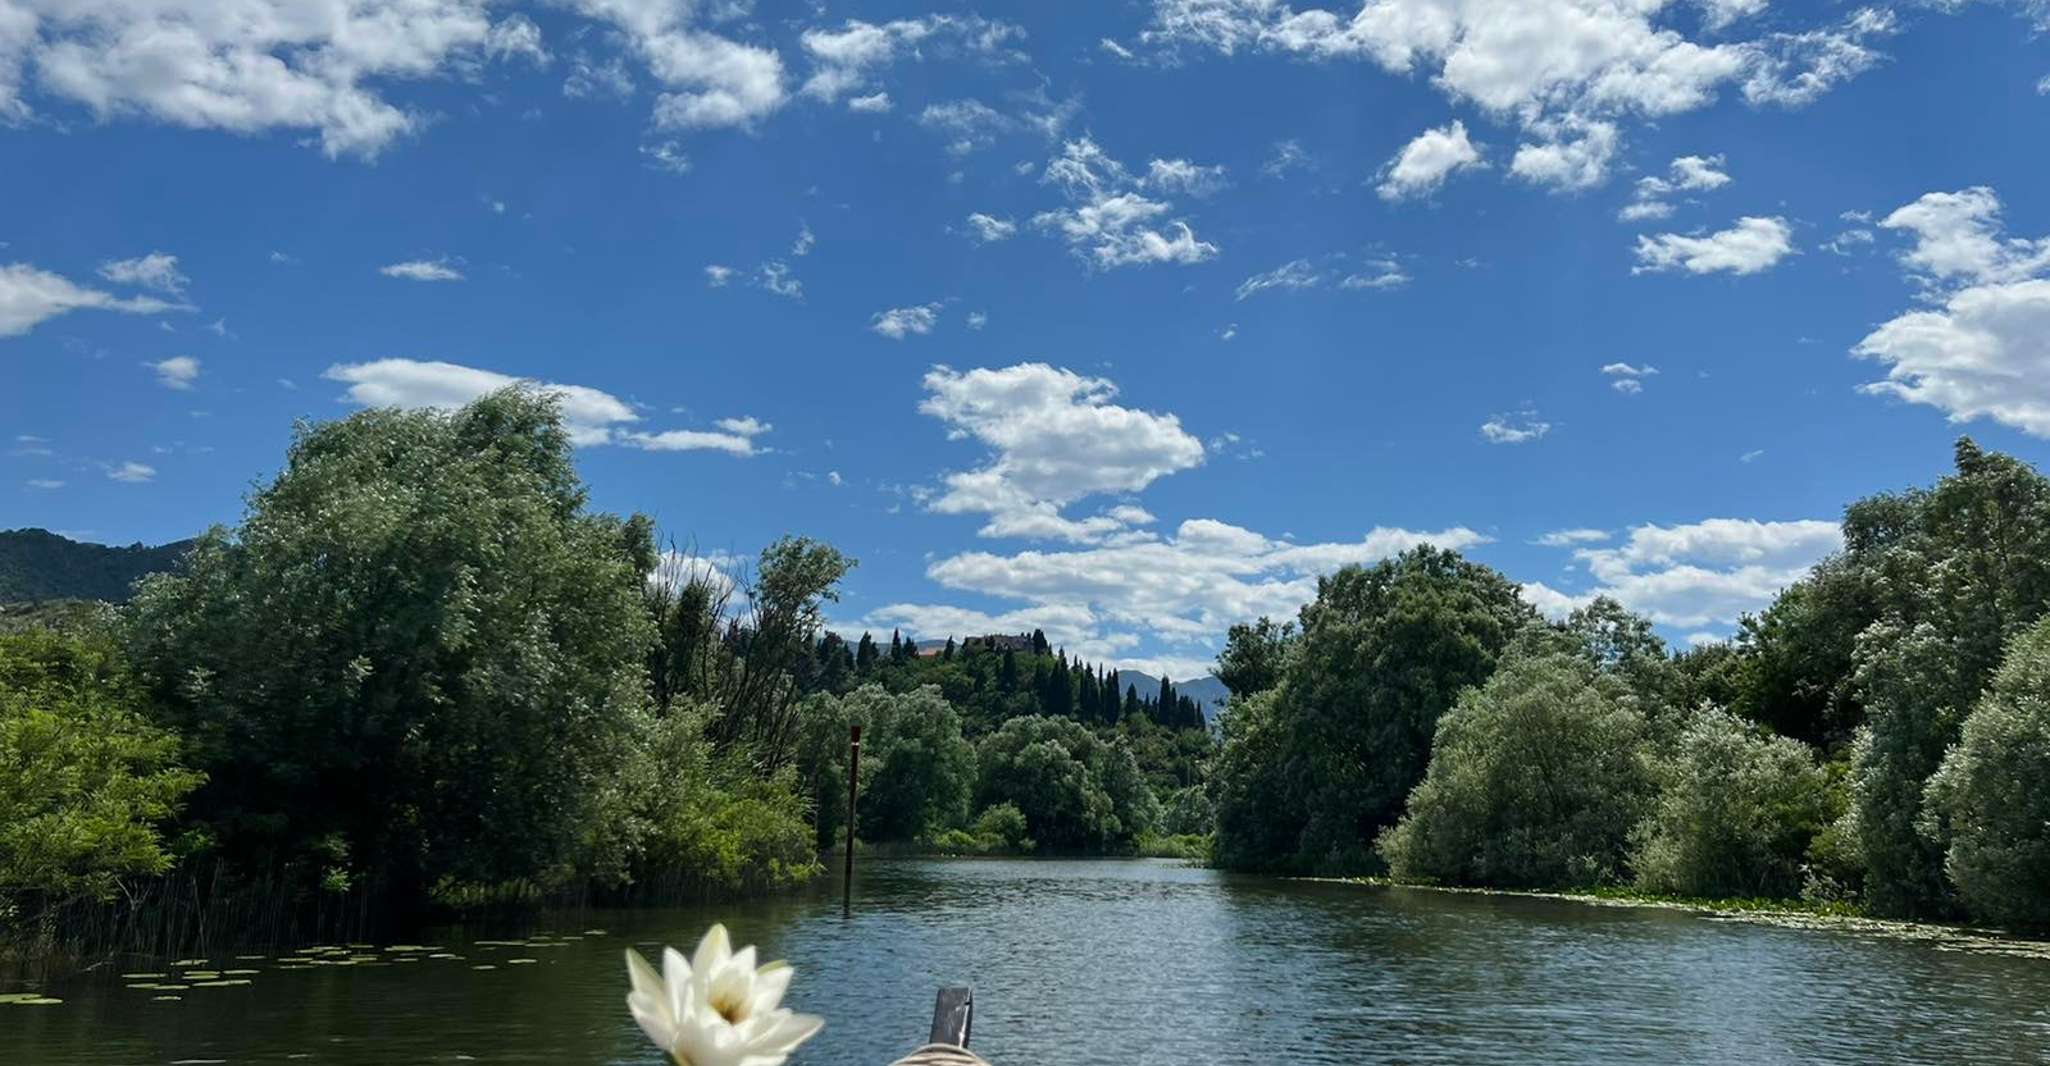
(1113, 962)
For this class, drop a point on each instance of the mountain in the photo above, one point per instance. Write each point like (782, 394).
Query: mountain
(36, 564)
(1208, 692)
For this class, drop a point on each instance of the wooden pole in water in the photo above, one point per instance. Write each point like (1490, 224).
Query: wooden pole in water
(853, 790)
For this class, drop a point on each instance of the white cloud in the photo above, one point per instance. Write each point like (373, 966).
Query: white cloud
(1054, 437)
(1628, 379)
(1698, 574)
(896, 322)
(1425, 162)
(1574, 154)
(988, 229)
(872, 104)
(775, 276)
(29, 296)
(1564, 69)
(177, 372)
(1377, 272)
(591, 416)
(1687, 173)
(1751, 245)
(977, 319)
(1183, 589)
(156, 270)
(717, 276)
(249, 66)
(1108, 221)
(1180, 175)
(708, 81)
(1294, 274)
(849, 58)
(132, 472)
(971, 124)
(1983, 351)
(666, 156)
(422, 270)
(1566, 538)
(1288, 155)
(805, 242)
(1958, 238)
(44, 483)
(1520, 428)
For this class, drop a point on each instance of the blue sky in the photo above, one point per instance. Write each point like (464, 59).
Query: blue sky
(1122, 320)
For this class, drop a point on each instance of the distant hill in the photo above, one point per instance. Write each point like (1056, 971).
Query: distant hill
(1208, 692)
(38, 565)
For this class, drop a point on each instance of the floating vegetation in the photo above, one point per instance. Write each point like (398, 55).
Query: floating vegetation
(444, 955)
(189, 962)
(483, 966)
(238, 973)
(594, 932)
(167, 999)
(521, 962)
(143, 976)
(231, 982)
(29, 999)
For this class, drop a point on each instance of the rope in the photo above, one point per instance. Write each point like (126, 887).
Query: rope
(941, 1055)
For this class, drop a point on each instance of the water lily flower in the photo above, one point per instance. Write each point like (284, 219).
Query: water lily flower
(718, 1008)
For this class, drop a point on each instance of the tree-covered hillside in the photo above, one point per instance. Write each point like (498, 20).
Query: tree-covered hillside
(36, 564)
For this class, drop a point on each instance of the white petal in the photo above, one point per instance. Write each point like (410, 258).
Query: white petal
(656, 1023)
(645, 980)
(788, 1031)
(771, 981)
(679, 974)
(714, 949)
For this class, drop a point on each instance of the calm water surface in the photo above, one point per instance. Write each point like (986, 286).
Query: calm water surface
(1121, 962)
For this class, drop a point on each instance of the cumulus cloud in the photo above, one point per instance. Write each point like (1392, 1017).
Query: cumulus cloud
(132, 472)
(422, 270)
(591, 416)
(717, 275)
(871, 104)
(1566, 70)
(1180, 175)
(249, 66)
(177, 372)
(1522, 427)
(1697, 574)
(1687, 173)
(1184, 589)
(1109, 221)
(848, 58)
(1628, 379)
(969, 125)
(29, 296)
(1054, 437)
(1983, 350)
(1425, 162)
(1566, 538)
(1751, 245)
(707, 81)
(897, 322)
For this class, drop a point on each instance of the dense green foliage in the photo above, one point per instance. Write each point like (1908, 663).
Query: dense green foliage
(1736, 810)
(1076, 790)
(1803, 756)
(416, 661)
(36, 565)
(1990, 801)
(1536, 779)
(1382, 652)
(917, 770)
(85, 782)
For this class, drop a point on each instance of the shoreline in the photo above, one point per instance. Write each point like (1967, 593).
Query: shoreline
(1782, 914)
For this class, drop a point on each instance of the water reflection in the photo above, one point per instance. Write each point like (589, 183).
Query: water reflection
(1121, 962)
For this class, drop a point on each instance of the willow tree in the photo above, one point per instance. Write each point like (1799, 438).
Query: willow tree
(415, 661)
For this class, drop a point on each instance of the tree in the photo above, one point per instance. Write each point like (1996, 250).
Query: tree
(416, 660)
(1077, 791)
(1254, 655)
(1988, 805)
(917, 770)
(1957, 572)
(1382, 653)
(1535, 781)
(86, 783)
(1736, 811)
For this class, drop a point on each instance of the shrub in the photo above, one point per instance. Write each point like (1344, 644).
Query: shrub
(1735, 814)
